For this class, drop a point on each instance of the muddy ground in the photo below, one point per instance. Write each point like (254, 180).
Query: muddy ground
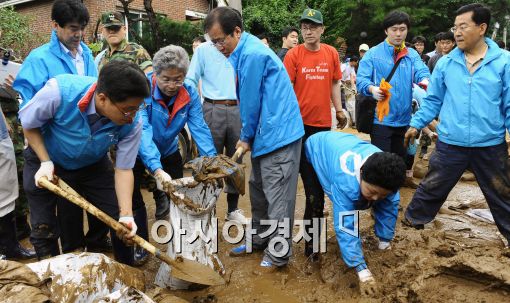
(456, 258)
(459, 257)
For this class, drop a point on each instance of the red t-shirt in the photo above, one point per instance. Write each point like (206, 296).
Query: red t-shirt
(313, 73)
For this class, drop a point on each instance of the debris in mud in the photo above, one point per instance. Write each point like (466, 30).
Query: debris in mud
(87, 277)
(221, 166)
(19, 284)
(210, 298)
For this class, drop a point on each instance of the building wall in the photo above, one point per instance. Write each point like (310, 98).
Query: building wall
(40, 11)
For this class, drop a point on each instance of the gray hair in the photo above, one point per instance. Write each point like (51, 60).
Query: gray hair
(169, 57)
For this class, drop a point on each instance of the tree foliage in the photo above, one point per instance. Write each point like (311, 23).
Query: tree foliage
(359, 21)
(16, 34)
(173, 32)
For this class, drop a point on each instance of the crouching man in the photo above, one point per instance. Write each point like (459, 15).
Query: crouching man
(356, 175)
(70, 125)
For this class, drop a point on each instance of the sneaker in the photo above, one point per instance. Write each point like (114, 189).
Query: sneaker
(237, 216)
(141, 256)
(238, 251)
(266, 263)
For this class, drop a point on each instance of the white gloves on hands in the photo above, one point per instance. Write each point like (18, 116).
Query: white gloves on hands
(46, 170)
(161, 176)
(377, 93)
(383, 245)
(129, 222)
(365, 276)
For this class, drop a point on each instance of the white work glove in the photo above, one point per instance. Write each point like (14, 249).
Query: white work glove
(365, 276)
(377, 93)
(46, 170)
(129, 222)
(383, 245)
(161, 176)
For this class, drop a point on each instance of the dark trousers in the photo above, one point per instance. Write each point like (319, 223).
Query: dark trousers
(172, 164)
(314, 193)
(491, 167)
(391, 139)
(95, 183)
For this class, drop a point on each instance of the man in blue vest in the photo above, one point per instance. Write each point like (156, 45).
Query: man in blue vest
(271, 128)
(64, 54)
(356, 175)
(70, 125)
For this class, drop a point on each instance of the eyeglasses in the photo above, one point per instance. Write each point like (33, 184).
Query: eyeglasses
(219, 42)
(311, 28)
(172, 82)
(461, 28)
(132, 112)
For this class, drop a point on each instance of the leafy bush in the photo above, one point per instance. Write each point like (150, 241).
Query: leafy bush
(16, 34)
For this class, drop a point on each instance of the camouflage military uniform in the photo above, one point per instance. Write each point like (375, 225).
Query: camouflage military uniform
(10, 108)
(127, 51)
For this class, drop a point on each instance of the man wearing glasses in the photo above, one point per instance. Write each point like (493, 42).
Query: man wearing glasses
(314, 70)
(70, 125)
(114, 33)
(66, 53)
(271, 128)
(470, 91)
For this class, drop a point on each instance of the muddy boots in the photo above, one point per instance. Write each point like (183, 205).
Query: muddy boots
(22, 227)
(9, 245)
(162, 204)
(141, 255)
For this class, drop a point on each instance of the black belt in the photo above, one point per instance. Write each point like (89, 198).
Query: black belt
(221, 102)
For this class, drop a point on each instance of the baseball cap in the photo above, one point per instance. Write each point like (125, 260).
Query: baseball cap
(112, 19)
(312, 15)
(364, 47)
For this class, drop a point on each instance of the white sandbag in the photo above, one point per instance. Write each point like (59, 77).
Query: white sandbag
(187, 221)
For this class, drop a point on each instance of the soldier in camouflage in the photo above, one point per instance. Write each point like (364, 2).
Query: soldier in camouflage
(114, 33)
(10, 108)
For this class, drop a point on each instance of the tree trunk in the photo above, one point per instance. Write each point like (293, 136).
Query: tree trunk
(125, 8)
(154, 23)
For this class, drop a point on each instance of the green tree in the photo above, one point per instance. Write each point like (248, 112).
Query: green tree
(360, 21)
(16, 34)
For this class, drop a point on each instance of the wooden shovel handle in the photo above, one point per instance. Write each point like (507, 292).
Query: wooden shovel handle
(181, 268)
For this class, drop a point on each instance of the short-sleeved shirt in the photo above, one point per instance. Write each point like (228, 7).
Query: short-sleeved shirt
(44, 105)
(128, 51)
(313, 73)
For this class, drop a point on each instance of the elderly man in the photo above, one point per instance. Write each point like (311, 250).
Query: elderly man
(271, 128)
(114, 33)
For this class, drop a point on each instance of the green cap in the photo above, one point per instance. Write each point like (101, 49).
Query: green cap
(112, 19)
(312, 15)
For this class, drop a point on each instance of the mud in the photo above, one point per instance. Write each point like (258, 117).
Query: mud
(459, 257)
